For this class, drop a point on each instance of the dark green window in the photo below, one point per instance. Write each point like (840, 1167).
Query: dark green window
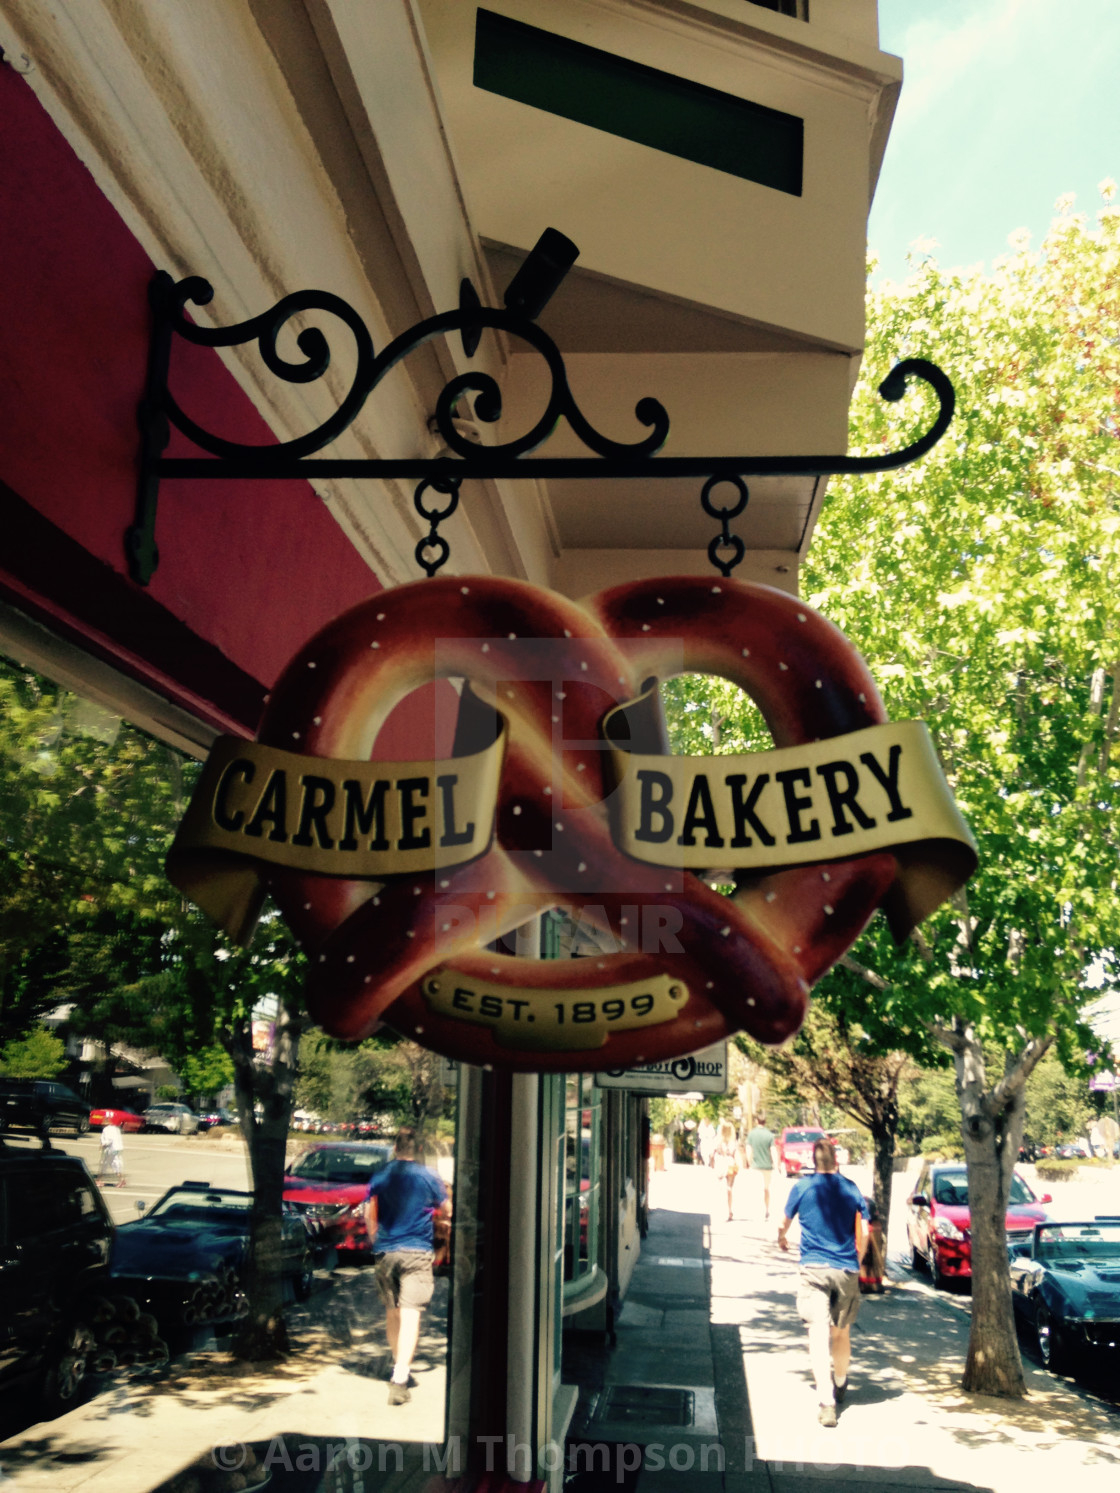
(638, 103)
(798, 9)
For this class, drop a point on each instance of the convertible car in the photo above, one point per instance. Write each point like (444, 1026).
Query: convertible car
(185, 1258)
(1065, 1284)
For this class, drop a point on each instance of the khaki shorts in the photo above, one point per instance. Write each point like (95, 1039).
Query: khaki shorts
(404, 1278)
(825, 1294)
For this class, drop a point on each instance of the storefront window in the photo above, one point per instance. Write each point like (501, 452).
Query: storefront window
(114, 986)
(582, 1116)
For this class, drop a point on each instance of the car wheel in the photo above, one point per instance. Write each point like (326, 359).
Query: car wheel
(937, 1276)
(82, 1127)
(912, 1257)
(1051, 1344)
(62, 1381)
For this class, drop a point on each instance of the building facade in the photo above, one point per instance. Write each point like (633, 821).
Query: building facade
(714, 162)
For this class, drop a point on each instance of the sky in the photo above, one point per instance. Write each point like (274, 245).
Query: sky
(1006, 105)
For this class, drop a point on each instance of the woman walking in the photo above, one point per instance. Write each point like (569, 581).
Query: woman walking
(727, 1160)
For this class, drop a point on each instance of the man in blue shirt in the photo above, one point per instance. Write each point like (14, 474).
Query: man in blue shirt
(831, 1209)
(401, 1206)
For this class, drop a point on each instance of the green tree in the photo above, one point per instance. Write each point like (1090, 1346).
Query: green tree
(1058, 1103)
(383, 1074)
(207, 1071)
(88, 808)
(834, 1061)
(928, 1106)
(38, 1054)
(982, 585)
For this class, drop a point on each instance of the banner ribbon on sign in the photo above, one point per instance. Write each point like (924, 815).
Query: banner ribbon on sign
(881, 788)
(364, 820)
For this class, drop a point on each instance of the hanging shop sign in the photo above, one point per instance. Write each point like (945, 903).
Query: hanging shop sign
(696, 1073)
(399, 878)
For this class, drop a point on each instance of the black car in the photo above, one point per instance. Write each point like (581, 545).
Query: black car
(55, 1239)
(185, 1259)
(42, 1105)
(1065, 1284)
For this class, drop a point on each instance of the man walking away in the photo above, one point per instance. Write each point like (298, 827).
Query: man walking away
(831, 1209)
(112, 1154)
(760, 1158)
(401, 1205)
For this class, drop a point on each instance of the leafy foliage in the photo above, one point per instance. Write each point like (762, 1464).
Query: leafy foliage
(982, 585)
(39, 1054)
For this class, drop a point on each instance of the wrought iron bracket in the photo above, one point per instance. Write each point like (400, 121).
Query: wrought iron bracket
(159, 412)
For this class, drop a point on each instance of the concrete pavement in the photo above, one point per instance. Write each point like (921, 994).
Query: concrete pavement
(906, 1424)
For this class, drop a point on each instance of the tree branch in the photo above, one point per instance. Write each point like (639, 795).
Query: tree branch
(876, 981)
(1017, 1074)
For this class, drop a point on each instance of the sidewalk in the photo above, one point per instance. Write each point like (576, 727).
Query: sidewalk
(204, 1427)
(906, 1425)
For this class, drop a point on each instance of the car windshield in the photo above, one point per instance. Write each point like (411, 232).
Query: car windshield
(1076, 1243)
(187, 1202)
(344, 1165)
(793, 1136)
(951, 1190)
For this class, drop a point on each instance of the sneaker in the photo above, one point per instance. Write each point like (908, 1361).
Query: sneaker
(826, 1415)
(399, 1395)
(388, 1377)
(839, 1392)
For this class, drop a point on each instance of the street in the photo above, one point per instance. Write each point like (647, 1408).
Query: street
(153, 1163)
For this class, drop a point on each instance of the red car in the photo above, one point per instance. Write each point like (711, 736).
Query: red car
(795, 1149)
(128, 1122)
(938, 1224)
(329, 1183)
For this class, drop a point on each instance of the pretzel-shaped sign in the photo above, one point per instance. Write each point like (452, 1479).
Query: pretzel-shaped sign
(409, 946)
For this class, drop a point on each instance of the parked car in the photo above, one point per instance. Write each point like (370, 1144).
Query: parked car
(125, 1118)
(938, 1222)
(1065, 1284)
(329, 1183)
(55, 1239)
(215, 1117)
(174, 1119)
(795, 1149)
(185, 1258)
(42, 1105)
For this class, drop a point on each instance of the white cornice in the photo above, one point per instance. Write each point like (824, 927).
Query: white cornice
(213, 154)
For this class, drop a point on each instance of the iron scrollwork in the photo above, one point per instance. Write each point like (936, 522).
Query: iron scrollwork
(443, 474)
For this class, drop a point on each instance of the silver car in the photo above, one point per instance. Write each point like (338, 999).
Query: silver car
(176, 1119)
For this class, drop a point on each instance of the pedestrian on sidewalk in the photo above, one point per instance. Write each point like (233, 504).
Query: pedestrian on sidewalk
(726, 1160)
(832, 1211)
(402, 1203)
(761, 1155)
(112, 1154)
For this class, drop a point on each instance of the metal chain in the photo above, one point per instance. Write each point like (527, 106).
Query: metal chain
(433, 540)
(725, 540)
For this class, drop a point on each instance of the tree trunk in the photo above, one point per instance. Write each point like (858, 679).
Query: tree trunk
(883, 1134)
(263, 1336)
(991, 1133)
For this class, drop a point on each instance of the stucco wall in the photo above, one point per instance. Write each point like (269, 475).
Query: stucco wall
(248, 569)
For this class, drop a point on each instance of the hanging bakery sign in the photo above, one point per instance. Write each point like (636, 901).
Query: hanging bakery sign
(399, 878)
